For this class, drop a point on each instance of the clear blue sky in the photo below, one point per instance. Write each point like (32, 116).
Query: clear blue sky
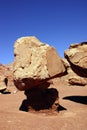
(56, 22)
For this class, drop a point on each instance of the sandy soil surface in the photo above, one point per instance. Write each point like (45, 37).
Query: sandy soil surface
(72, 111)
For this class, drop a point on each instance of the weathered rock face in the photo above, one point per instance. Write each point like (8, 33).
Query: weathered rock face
(72, 77)
(77, 56)
(34, 62)
(9, 74)
(3, 81)
(6, 77)
(76, 63)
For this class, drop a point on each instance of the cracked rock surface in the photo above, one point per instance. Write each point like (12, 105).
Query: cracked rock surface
(34, 62)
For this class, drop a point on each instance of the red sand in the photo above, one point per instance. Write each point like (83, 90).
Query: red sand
(72, 113)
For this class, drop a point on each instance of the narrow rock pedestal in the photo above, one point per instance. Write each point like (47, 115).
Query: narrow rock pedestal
(42, 100)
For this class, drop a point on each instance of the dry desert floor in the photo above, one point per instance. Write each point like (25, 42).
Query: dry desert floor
(72, 111)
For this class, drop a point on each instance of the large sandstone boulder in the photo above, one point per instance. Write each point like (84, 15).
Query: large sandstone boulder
(34, 62)
(77, 57)
(76, 64)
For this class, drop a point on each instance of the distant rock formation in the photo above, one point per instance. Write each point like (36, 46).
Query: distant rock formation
(6, 78)
(3, 85)
(76, 63)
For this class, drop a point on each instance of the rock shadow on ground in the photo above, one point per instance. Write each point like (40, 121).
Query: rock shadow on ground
(77, 99)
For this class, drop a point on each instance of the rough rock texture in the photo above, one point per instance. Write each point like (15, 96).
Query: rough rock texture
(76, 63)
(77, 57)
(3, 78)
(34, 62)
(72, 77)
(3, 81)
(6, 77)
(9, 74)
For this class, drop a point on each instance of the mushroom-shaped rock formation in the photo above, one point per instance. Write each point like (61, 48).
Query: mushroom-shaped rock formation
(35, 64)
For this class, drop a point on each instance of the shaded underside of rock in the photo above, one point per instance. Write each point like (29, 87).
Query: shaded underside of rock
(38, 99)
(34, 62)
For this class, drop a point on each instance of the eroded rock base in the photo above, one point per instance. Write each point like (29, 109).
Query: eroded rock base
(41, 100)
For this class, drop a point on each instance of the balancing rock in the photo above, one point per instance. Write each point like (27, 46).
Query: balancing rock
(34, 62)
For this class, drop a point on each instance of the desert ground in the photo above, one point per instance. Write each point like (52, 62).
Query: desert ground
(72, 113)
